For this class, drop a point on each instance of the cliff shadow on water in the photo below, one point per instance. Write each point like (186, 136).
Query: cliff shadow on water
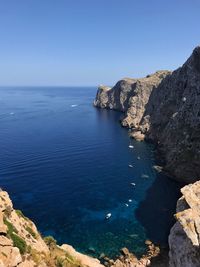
(156, 211)
(157, 199)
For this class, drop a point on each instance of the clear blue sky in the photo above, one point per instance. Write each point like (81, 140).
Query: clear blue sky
(87, 42)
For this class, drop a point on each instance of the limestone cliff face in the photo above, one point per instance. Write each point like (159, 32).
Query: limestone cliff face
(129, 96)
(21, 244)
(164, 107)
(172, 118)
(184, 239)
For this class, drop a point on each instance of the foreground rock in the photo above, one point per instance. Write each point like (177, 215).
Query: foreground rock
(184, 239)
(163, 107)
(153, 258)
(21, 244)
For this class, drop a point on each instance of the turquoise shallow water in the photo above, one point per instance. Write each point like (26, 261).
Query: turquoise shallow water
(65, 164)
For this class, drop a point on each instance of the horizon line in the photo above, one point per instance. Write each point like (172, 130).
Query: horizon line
(49, 86)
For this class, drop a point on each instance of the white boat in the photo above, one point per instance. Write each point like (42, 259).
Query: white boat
(145, 176)
(138, 157)
(108, 215)
(130, 166)
(133, 184)
(130, 146)
(126, 204)
(130, 200)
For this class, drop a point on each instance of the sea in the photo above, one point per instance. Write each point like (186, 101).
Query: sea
(66, 163)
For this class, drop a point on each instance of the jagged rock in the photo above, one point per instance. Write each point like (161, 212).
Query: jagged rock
(125, 251)
(9, 256)
(137, 135)
(184, 238)
(130, 96)
(3, 227)
(84, 260)
(102, 96)
(4, 241)
(5, 201)
(148, 242)
(27, 263)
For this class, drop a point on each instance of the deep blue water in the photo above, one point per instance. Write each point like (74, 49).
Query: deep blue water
(66, 166)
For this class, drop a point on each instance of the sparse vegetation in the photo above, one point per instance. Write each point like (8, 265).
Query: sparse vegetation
(4, 254)
(19, 243)
(66, 261)
(8, 211)
(50, 241)
(59, 262)
(11, 227)
(20, 214)
(35, 255)
(31, 232)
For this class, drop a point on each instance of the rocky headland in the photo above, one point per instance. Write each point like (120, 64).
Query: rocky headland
(164, 108)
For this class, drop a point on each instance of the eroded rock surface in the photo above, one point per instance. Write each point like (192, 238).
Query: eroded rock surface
(129, 96)
(184, 238)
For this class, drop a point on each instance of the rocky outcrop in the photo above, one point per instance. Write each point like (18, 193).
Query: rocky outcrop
(163, 107)
(22, 245)
(128, 259)
(129, 96)
(184, 239)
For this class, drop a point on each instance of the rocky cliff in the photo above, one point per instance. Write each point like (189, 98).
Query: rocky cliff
(184, 239)
(129, 96)
(21, 244)
(163, 107)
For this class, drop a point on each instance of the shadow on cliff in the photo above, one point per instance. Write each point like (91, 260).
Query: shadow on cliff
(156, 211)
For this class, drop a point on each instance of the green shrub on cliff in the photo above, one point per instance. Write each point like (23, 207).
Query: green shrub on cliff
(50, 241)
(20, 214)
(19, 243)
(31, 232)
(12, 233)
(11, 227)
